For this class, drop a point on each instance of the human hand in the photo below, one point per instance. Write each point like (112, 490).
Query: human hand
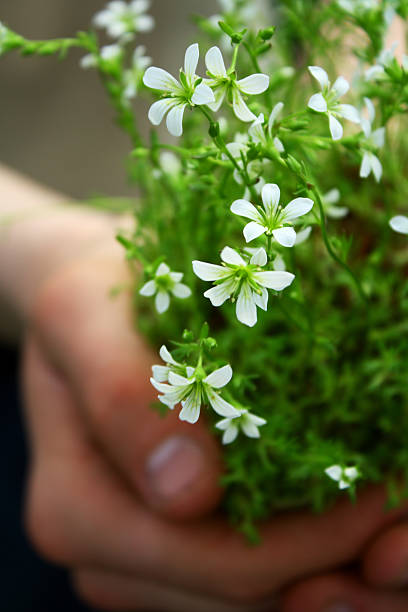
(96, 503)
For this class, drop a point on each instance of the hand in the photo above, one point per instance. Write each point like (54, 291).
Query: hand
(107, 473)
(378, 587)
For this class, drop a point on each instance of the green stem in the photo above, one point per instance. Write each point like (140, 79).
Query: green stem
(234, 58)
(330, 249)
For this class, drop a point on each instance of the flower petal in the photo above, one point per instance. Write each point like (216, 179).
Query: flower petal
(240, 108)
(177, 380)
(334, 472)
(160, 373)
(318, 103)
(253, 230)
(246, 307)
(176, 276)
(340, 87)
(254, 84)
(230, 434)
(286, 236)
(261, 300)
(219, 378)
(162, 270)
(365, 167)
(320, 75)
(181, 291)
(270, 198)
(249, 429)
(166, 355)
(256, 420)
(243, 208)
(202, 95)
(190, 411)
(220, 293)
(275, 279)
(219, 405)
(157, 78)
(337, 212)
(230, 256)
(223, 424)
(256, 130)
(159, 109)
(215, 62)
(272, 117)
(303, 235)
(148, 289)
(376, 167)
(370, 109)
(378, 137)
(191, 59)
(336, 129)
(162, 301)
(332, 196)
(219, 95)
(296, 208)
(399, 224)
(174, 120)
(349, 112)
(259, 258)
(209, 272)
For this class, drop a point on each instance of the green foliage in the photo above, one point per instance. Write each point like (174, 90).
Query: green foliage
(326, 365)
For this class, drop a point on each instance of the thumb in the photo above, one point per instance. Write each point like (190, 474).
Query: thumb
(174, 466)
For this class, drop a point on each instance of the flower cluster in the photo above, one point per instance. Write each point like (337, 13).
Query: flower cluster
(345, 477)
(165, 283)
(120, 18)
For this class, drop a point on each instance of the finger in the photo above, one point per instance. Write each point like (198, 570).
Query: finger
(385, 562)
(111, 591)
(341, 593)
(82, 515)
(175, 466)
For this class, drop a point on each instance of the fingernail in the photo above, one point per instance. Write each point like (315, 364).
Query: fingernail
(174, 466)
(338, 607)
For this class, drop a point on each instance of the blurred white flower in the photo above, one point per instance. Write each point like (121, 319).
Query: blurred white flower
(373, 141)
(399, 224)
(263, 135)
(121, 18)
(247, 422)
(133, 76)
(165, 283)
(329, 201)
(190, 91)
(328, 101)
(344, 476)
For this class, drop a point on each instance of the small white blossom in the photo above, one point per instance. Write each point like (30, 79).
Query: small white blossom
(261, 135)
(328, 101)
(399, 224)
(383, 61)
(272, 219)
(373, 140)
(344, 476)
(133, 76)
(329, 201)
(243, 280)
(162, 285)
(161, 372)
(120, 18)
(108, 53)
(225, 84)
(177, 96)
(192, 390)
(88, 61)
(238, 149)
(247, 422)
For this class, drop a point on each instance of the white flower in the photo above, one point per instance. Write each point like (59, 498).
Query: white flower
(161, 372)
(383, 61)
(177, 95)
(373, 140)
(328, 101)
(225, 84)
(193, 390)
(120, 18)
(262, 136)
(108, 53)
(271, 218)
(244, 281)
(329, 201)
(344, 476)
(238, 149)
(133, 76)
(246, 421)
(162, 285)
(399, 224)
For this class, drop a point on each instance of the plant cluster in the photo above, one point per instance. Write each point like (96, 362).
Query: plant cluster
(283, 188)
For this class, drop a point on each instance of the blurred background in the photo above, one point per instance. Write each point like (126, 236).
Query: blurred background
(55, 121)
(57, 127)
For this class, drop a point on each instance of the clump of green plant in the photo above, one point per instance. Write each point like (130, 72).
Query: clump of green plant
(282, 190)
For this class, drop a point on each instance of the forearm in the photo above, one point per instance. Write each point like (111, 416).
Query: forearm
(39, 232)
